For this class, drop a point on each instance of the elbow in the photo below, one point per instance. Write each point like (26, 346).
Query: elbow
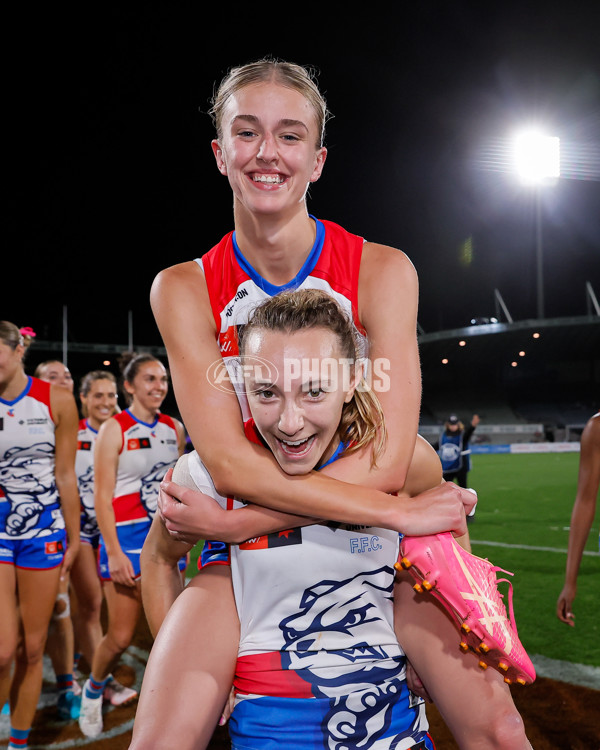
(226, 474)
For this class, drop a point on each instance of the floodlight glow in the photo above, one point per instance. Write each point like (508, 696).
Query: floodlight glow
(537, 157)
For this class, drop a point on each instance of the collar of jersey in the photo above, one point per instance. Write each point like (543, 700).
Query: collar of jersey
(338, 451)
(302, 274)
(21, 395)
(146, 424)
(89, 426)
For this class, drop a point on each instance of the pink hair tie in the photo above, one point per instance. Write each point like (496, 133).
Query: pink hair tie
(27, 331)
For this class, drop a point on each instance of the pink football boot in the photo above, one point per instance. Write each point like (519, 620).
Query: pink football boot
(467, 587)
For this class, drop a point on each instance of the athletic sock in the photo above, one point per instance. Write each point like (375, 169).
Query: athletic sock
(18, 738)
(64, 683)
(76, 660)
(94, 688)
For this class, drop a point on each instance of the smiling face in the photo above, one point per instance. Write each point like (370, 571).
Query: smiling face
(297, 408)
(57, 374)
(100, 401)
(267, 147)
(148, 387)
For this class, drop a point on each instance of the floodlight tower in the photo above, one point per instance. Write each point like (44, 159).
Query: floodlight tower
(537, 162)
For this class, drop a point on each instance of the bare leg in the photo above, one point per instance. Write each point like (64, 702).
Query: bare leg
(60, 645)
(124, 607)
(37, 594)
(476, 705)
(203, 618)
(88, 590)
(9, 628)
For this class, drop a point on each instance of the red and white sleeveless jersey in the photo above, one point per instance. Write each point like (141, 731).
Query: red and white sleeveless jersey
(29, 501)
(235, 288)
(147, 453)
(84, 469)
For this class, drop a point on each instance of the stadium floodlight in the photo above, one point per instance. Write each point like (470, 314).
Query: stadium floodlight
(537, 162)
(537, 157)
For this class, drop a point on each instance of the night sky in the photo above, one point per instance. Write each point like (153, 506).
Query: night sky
(114, 177)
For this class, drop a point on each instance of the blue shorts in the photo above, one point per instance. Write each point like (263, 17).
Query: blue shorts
(131, 538)
(363, 719)
(92, 539)
(38, 553)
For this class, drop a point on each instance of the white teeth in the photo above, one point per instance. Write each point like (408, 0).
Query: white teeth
(273, 179)
(296, 442)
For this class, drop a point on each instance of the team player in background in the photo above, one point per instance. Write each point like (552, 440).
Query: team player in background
(132, 452)
(582, 517)
(98, 396)
(60, 645)
(39, 522)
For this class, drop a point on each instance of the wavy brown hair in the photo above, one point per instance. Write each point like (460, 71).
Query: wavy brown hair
(362, 422)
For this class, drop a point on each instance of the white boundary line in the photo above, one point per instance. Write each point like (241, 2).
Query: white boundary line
(529, 548)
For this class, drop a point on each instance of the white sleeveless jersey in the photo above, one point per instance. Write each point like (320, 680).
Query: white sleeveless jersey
(29, 501)
(148, 451)
(315, 605)
(84, 469)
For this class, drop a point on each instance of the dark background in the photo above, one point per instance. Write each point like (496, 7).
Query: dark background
(112, 177)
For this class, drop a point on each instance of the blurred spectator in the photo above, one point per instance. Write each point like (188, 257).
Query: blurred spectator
(453, 449)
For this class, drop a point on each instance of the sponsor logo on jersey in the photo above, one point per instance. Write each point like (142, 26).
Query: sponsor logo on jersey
(53, 548)
(84, 445)
(278, 539)
(135, 444)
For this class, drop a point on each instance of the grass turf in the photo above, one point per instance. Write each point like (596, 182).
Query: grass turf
(526, 500)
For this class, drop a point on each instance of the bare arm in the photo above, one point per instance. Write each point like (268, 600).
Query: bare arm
(106, 460)
(161, 579)
(180, 303)
(582, 516)
(66, 419)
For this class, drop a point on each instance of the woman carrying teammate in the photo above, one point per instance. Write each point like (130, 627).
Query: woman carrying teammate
(270, 120)
(132, 452)
(39, 513)
(319, 664)
(98, 396)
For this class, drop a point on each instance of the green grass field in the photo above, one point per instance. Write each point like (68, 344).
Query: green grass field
(525, 503)
(526, 500)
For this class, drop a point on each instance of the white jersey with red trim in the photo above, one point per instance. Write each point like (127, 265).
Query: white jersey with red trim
(316, 622)
(84, 469)
(235, 288)
(148, 451)
(29, 500)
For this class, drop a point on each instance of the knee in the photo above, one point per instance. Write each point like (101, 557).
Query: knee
(7, 655)
(119, 639)
(89, 609)
(31, 651)
(507, 731)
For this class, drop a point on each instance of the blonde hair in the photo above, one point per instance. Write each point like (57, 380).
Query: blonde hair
(12, 336)
(268, 69)
(362, 422)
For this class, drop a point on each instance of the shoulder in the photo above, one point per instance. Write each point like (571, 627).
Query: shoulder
(377, 258)
(181, 275)
(387, 281)
(63, 404)
(591, 433)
